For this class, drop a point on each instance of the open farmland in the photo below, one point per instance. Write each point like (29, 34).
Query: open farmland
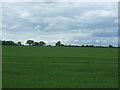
(59, 67)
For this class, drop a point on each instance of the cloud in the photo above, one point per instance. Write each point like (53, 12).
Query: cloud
(108, 34)
(71, 22)
(24, 15)
(60, 1)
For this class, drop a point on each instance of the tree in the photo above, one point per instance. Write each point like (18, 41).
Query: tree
(19, 44)
(4, 43)
(0, 42)
(49, 45)
(82, 45)
(8, 43)
(110, 46)
(36, 44)
(58, 43)
(91, 45)
(30, 42)
(62, 45)
(41, 43)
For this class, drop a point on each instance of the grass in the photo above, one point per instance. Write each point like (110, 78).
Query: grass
(59, 67)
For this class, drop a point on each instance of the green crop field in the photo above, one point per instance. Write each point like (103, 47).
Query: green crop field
(59, 67)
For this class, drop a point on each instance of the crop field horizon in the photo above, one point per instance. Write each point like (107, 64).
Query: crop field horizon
(59, 67)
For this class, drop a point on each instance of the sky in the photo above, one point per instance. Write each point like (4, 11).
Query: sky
(77, 23)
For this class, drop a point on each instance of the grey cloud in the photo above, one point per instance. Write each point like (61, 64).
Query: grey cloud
(109, 34)
(69, 21)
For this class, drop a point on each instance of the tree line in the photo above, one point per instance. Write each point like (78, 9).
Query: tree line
(42, 43)
(30, 43)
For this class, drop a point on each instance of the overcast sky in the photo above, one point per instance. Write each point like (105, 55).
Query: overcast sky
(71, 23)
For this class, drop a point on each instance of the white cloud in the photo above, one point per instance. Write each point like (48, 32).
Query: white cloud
(3, 25)
(76, 40)
(38, 27)
(86, 41)
(97, 41)
(14, 26)
(116, 21)
(105, 13)
(104, 41)
(24, 15)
